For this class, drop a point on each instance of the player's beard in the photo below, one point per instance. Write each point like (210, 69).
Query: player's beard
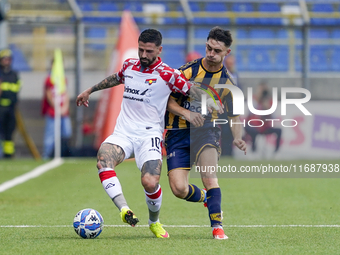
(147, 62)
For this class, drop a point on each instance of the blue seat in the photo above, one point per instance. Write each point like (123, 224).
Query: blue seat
(269, 7)
(282, 33)
(336, 33)
(323, 21)
(202, 33)
(242, 33)
(134, 6)
(281, 59)
(173, 55)
(259, 58)
(180, 20)
(243, 7)
(262, 33)
(298, 34)
(322, 8)
(108, 7)
(335, 63)
(319, 33)
(96, 33)
(216, 7)
(318, 58)
(200, 49)
(242, 58)
(171, 33)
(195, 7)
(87, 7)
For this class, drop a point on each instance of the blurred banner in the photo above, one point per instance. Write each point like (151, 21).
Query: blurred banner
(108, 106)
(314, 137)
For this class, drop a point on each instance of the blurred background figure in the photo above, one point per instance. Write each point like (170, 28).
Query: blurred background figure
(192, 56)
(48, 112)
(262, 100)
(230, 64)
(9, 89)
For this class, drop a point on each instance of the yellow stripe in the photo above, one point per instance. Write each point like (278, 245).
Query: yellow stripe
(180, 168)
(10, 86)
(208, 144)
(188, 73)
(5, 102)
(200, 75)
(192, 193)
(8, 147)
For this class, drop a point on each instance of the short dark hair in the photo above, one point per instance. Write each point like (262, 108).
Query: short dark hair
(152, 36)
(221, 35)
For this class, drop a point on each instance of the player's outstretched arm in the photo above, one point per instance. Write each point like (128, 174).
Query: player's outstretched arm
(236, 130)
(194, 118)
(195, 92)
(108, 82)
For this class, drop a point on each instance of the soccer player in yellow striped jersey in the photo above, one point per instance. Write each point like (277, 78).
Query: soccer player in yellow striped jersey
(192, 138)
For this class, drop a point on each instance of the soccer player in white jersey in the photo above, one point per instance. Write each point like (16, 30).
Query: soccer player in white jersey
(139, 127)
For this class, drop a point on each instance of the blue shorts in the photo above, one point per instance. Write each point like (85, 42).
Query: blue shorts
(183, 146)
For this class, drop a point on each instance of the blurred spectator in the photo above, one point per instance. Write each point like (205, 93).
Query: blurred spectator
(192, 56)
(9, 88)
(48, 112)
(262, 101)
(230, 64)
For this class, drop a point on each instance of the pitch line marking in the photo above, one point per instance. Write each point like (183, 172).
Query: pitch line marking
(180, 226)
(31, 174)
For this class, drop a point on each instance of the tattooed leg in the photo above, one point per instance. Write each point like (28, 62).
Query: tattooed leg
(151, 172)
(110, 155)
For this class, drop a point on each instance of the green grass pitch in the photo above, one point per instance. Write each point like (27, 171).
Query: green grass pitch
(258, 214)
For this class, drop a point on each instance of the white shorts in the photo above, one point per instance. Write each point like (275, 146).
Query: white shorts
(144, 148)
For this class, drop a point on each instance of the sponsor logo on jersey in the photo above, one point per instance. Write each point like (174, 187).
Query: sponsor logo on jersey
(150, 81)
(135, 91)
(131, 91)
(128, 76)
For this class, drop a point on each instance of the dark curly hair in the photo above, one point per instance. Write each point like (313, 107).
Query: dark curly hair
(221, 35)
(152, 36)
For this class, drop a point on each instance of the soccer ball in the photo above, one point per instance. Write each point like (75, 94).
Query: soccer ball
(88, 223)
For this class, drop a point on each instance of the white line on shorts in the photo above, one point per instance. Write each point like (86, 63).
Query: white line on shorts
(32, 174)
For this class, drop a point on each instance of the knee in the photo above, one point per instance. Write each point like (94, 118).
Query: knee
(150, 183)
(180, 191)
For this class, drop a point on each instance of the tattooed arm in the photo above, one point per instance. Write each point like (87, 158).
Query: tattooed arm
(108, 82)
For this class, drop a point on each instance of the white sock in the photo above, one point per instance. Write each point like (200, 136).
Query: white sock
(110, 182)
(154, 202)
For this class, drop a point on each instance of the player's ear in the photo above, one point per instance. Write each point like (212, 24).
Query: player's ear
(160, 49)
(228, 51)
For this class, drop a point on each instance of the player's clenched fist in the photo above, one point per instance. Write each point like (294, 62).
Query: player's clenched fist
(83, 98)
(239, 143)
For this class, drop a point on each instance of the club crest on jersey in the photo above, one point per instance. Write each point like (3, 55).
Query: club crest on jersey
(150, 81)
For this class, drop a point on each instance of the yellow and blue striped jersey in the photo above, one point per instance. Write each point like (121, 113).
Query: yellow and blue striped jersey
(195, 71)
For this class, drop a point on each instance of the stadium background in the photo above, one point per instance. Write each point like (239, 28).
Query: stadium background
(287, 43)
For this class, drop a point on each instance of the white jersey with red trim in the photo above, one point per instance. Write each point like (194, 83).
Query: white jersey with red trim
(146, 95)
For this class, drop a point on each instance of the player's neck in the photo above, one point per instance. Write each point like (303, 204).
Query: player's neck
(211, 68)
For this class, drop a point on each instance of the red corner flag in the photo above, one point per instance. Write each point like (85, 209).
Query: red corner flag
(108, 106)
